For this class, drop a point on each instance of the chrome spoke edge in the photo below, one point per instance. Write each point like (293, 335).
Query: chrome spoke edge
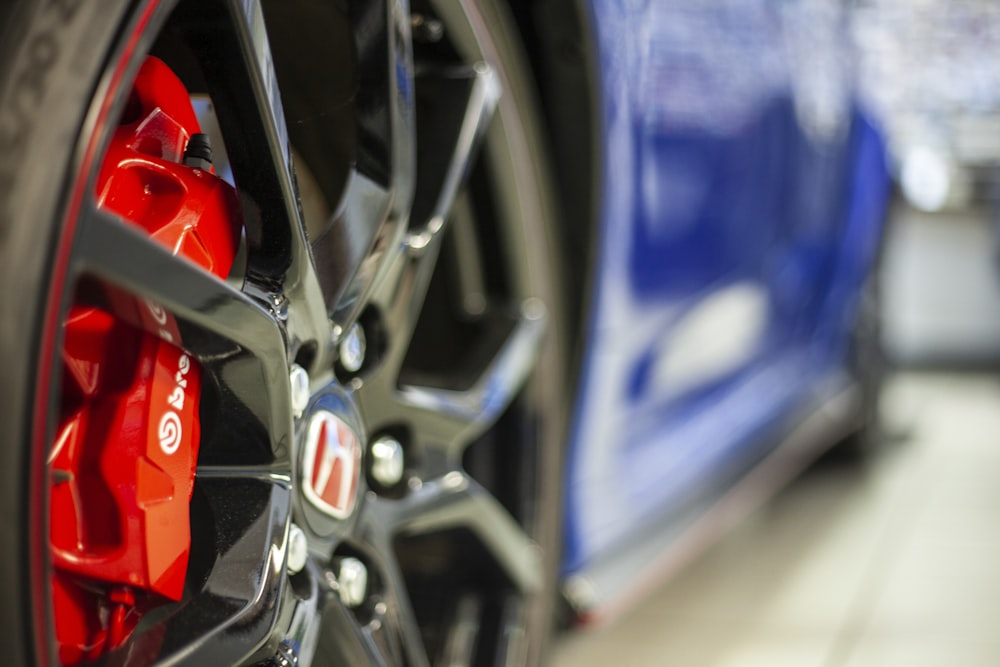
(472, 411)
(300, 303)
(483, 98)
(455, 500)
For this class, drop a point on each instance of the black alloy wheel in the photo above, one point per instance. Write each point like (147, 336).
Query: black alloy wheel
(396, 278)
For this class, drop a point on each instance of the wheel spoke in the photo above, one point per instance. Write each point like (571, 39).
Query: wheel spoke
(233, 617)
(453, 138)
(454, 106)
(396, 632)
(233, 48)
(371, 217)
(472, 411)
(457, 501)
(226, 330)
(400, 610)
(460, 644)
(389, 630)
(343, 641)
(512, 647)
(445, 421)
(397, 298)
(307, 313)
(119, 253)
(465, 637)
(348, 259)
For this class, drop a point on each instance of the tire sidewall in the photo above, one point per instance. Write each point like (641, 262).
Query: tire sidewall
(539, 215)
(53, 59)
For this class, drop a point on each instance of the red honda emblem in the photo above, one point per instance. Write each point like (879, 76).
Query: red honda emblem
(332, 465)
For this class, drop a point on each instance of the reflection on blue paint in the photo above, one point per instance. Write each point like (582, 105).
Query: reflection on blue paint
(743, 198)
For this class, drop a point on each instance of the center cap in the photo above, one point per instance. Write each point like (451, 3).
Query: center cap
(331, 465)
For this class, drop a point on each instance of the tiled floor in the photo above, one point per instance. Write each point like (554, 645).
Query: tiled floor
(894, 563)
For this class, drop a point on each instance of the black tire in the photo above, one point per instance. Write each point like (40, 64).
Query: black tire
(52, 55)
(64, 73)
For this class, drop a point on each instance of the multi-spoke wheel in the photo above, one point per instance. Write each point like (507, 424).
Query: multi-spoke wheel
(282, 339)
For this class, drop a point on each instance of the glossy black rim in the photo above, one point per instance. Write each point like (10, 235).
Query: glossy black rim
(431, 238)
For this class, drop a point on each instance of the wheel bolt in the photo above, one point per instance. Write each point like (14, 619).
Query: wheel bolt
(352, 349)
(298, 550)
(426, 30)
(352, 581)
(285, 657)
(387, 461)
(299, 380)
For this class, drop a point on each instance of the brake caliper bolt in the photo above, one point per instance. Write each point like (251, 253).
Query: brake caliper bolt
(299, 380)
(298, 550)
(352, 581)
(387, 461)
(352, 349)
(198, 153)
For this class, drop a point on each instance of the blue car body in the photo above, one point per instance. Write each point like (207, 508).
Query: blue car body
(744, 190)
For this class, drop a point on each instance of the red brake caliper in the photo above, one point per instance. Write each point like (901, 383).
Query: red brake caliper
(127, 440)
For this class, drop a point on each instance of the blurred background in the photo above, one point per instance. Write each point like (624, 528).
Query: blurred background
(894, 560)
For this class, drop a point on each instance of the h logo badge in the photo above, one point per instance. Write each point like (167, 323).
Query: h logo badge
(331, 466)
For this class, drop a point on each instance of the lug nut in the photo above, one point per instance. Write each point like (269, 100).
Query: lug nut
(298, 550)
(285, 657)
(352, 349)
(426, 30)
(387, 461)
(299, 380)
(352, 581)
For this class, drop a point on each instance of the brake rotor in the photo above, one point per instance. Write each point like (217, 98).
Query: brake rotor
(127, 438)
